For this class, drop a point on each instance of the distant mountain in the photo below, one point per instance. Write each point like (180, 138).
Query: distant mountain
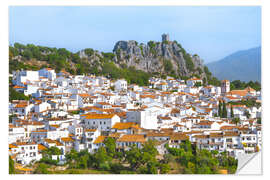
(242, 65)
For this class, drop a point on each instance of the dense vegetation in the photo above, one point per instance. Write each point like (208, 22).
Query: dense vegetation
(197, 161)
(211, 80)
(222, 110)
(248, 102)
(62, 59)
(237, 84)
(14, 95)
(186, 159)
(11, 168)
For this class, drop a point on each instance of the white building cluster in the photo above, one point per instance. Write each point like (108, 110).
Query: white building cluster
(81, 111)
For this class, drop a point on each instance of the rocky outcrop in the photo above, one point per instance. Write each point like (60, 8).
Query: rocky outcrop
(167, 57)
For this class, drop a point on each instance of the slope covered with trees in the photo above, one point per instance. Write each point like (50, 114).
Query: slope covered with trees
(154, 59)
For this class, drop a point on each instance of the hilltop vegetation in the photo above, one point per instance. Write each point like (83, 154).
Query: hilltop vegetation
(162, 56)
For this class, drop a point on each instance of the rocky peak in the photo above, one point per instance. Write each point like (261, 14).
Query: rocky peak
(167, 57)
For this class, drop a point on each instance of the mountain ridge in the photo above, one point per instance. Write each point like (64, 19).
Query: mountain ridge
(244, 65)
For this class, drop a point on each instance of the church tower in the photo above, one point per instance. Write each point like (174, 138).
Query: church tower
(165, 37)
(225, 86)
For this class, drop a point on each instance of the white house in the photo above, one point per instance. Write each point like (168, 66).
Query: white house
(103, 122)
(120, 85)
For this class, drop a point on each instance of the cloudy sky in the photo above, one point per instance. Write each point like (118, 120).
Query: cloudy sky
(211, 32)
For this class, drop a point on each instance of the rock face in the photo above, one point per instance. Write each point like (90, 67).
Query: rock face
(166, 57)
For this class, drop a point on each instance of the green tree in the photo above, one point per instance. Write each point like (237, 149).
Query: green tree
(232, 113)
(72, 158)
(224, 110)
(236, 120)
(220, 109)
(110, 146)
(134, 157)
(165, 168)
(41, 169)
(259, 120)
(11, 166)
(198, 84)
(247, 114)
(14, 95)
(101, 159)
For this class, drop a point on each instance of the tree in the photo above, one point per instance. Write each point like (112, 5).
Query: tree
(14, 95)
(41, 169)
(72, 158)
(259, 120)
(247, 114)
(232, 113)
(134, 157)
(165, 168)
(198, 84)
(224, 110)
(11, 166)
(236, 120)
(220, 109)
(110, 146)
(101, 159)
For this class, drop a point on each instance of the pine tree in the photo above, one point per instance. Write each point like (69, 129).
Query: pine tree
(224, 110)
(219, 109)
(232, 113)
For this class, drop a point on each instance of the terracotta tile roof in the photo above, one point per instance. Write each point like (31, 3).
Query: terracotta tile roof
(216, 135)
(12, 146)
(227, 127)
(99, 116)
(158, 134)
(125, 125)
(201, 136)
(132, 138)
(41, 147)
(84, 95)
(100, 139)
(176, 136)
(18, 87)
(230, 133)
(41, 130)
(115, 135)
(249, 89)
(67, 139)
(25, 143)
(90, 130)
(238, 92)
(23, 105)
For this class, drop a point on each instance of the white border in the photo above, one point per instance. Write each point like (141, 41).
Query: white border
(4, 74)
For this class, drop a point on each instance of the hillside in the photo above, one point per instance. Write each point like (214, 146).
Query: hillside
(129, 59)
(242, 65)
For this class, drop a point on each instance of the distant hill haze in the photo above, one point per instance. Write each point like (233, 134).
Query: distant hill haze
(242, 65)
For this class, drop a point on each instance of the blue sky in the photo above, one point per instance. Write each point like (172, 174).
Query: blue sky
(211, 32)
